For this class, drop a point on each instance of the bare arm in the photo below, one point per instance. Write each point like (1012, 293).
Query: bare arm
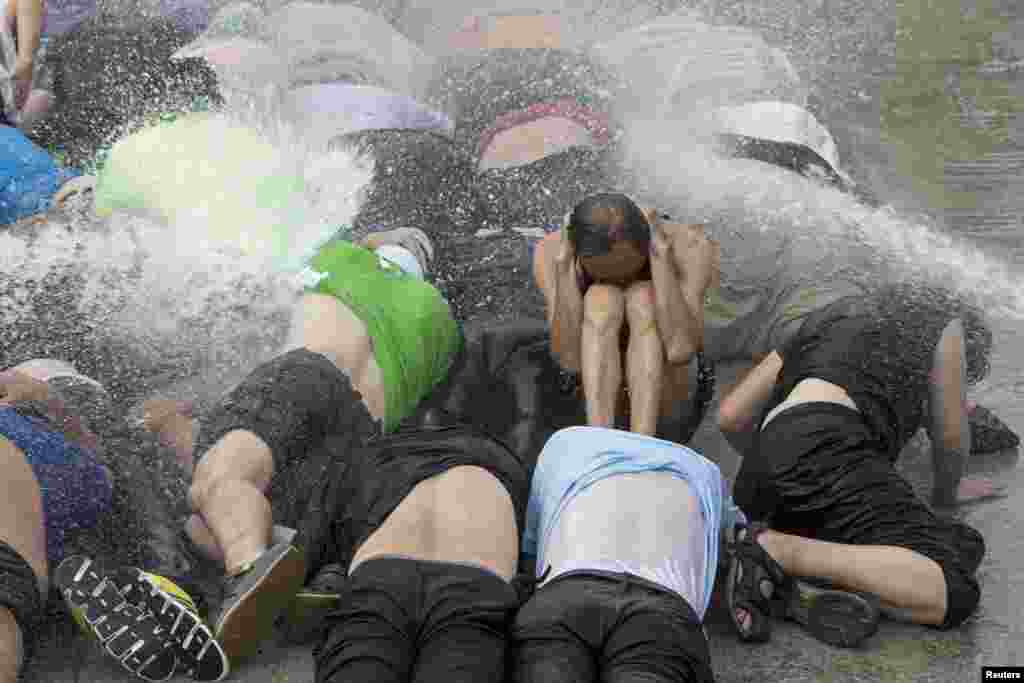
(677, 325)
(30, 25)
(555, 273)
(738, 410)
(948, 426)
(682, 268)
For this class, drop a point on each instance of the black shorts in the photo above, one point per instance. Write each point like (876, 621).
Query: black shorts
(600, 626)
(406, 620)
(379, 475)
(19, 592)
(819, 472)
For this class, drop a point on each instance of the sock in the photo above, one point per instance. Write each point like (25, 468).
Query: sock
(401, 257)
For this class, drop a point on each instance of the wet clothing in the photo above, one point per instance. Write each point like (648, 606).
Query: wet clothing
(880, 349)
(578, 458)
(826, 471)
(508, 383)
(411, 620)
(29, 177)
(368, 481)
(336, 479)
(76, 491)
(206, 176)
(818, 471)
(19, 592)
(415, 337)
(657, 532)
(613, 627)
(293, 403)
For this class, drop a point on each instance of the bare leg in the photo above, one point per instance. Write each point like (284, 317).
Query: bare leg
(908, 583)
(11, 647)
(228, 493)
(230, 481)
(603, 315)
(21, 526)
(645, 359)
(201, 535)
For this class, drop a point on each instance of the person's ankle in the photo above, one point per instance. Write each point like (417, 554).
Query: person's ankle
(237, 562)
(773, 543)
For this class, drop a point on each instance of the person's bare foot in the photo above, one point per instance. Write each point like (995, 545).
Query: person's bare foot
(173, 424)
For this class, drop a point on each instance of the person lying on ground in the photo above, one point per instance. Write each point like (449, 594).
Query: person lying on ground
(623, 283)
(55, 486)
(622, 531)
(821, 423)
(370, 339)
(417, 530)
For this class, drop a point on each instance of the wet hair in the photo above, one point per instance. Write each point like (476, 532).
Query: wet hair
(476, 88)
(539, 193)
(600, 220)
(109, 76)
(420, 178)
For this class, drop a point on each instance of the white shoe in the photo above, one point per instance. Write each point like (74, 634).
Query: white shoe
(413, 239)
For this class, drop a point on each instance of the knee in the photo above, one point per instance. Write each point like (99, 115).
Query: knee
(639, 301)
(604, 308)
(962, 595)
(222, 471)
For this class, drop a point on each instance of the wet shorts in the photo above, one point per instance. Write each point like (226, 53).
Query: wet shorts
(414, 336)
(413, 620)
(19, 592)
(602, 626)
(379, 476)
(76, 490)
(818, 472)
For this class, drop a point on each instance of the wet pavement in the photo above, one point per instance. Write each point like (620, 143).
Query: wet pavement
(957, 157)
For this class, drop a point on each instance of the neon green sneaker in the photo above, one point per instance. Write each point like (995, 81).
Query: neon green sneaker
(199, 653)
(126, 632)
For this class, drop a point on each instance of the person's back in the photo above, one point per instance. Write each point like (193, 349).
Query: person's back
(623, 530)
(879, 347)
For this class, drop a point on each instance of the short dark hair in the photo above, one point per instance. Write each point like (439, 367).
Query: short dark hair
(108, 76)
(603, 219)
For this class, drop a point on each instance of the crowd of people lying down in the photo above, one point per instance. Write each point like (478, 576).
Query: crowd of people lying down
(450, 494)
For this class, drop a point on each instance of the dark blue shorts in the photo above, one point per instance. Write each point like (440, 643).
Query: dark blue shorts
(76, 490)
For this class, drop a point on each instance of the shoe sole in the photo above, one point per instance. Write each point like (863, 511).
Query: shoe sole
(839, 618)
(250, 621)
(209, 650)
(78, 574)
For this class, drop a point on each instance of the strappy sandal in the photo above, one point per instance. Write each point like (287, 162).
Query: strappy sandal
(755, 585)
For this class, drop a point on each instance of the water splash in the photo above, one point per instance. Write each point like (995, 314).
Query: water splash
(768, 220)
(190, 286)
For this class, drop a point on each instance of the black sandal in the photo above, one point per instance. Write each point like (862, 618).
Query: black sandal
(755, 584)
(837, 617)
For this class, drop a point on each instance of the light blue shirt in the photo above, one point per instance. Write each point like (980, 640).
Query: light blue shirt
(574, 459)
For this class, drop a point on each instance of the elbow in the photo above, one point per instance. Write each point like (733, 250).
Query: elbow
(730, 419)
(680, 350)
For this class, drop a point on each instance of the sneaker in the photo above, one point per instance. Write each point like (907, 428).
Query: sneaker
(199, 653)
(256, 597)
(413, 239)
(129, 634)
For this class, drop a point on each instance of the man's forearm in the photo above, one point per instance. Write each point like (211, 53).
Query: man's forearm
(566, 321)
(29, 26)
(678, 327)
